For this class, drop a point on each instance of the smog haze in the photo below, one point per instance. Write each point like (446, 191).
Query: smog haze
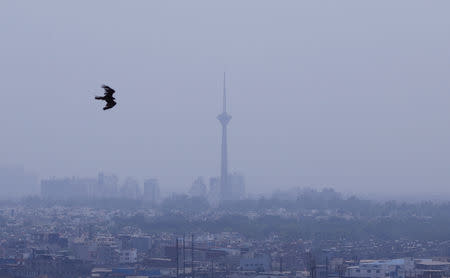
(352, 95)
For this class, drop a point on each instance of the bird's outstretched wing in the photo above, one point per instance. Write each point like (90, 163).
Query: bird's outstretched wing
(110, 103)
(108, 90)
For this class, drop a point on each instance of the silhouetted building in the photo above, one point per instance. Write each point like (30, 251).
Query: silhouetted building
(107, 254)
(130, 189)
(256, 262)
(128, 256)
(214, 190)
(106, 187)
(198, 188)
(151, 190)
(15, 182)
(140, 243)
(51, 267)
(236, 188)
(237, 184)
(67, 188)
(84, 250)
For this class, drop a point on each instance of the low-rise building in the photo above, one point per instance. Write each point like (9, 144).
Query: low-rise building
(128, 256)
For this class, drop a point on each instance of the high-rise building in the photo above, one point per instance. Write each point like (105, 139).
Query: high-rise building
(198, 188)
(214, 191)
(224, 118)
(151, 190)
(130, 189)
(16, 182)
(67, 188)
(106, 187)
(236, 183)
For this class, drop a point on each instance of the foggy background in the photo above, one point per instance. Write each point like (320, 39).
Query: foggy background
(348, 94)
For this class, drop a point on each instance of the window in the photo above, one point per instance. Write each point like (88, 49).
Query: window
(358, 270)
(378, 271)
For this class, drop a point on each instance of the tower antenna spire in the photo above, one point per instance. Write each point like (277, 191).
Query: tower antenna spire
(224, 94)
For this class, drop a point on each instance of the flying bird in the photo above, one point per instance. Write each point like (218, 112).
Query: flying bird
(108, 97)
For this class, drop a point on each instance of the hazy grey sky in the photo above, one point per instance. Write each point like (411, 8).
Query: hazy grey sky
(349, 94)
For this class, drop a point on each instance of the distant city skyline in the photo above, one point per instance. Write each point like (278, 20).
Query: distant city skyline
(349, 94)
(336, 163)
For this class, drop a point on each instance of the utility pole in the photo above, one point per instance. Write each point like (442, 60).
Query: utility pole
(176, 247)
(212, 266)
(311, 264)
(341, 270)
(192, 256)
(184, 255)
(281, 264)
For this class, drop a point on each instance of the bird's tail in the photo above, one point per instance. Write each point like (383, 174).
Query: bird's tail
(98, 97)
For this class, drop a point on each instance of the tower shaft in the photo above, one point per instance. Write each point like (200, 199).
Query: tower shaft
(224, 165)
(224, 119)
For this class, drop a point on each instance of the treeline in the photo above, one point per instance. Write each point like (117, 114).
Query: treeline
(299, 201)
(332, 228)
